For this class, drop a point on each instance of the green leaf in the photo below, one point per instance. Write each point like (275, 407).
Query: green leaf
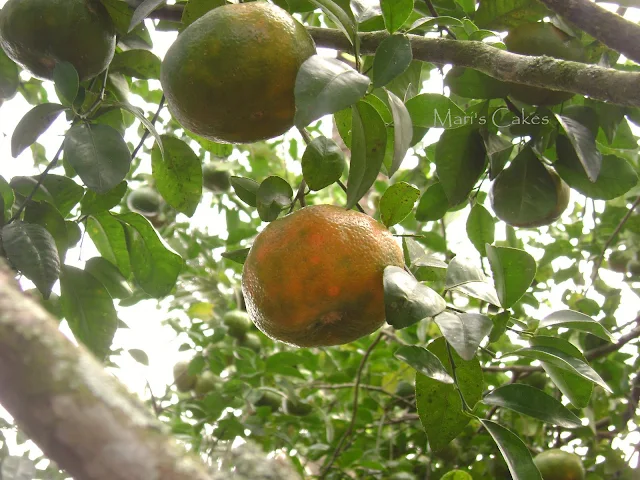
(194, 9)
(434, 110)
(481, 290)
(9, 77)
(402, 132)
(456, 475)
(576, 321)
(464, 331)
(98, 154)
(498, 150)
(7, 196)
(107, 235)
(395, 13)
(369, 139)
(238, 256)
(136, 63)
(324, 86)
(322, 163)
(65, 192)
(584, 144)
(576, 388)
(462, 270)
(406, 300)
(343, 19)
(504, 14)
(393, 56)
(433, 204)
(460, 162)
(178, 176)
(272, 196)
(23, 186)
(481, 228)
(93, 202)
(154, 264)
(397, 202)
(139, 114)
(470, 83)
(32, 250)
(139, 356)
(142, 11)
(616, 176)
(424, 362)
(513, 272)
(514, 452)
(67, 82)
(47, 216)
(120, 13)
(439, 404)
(89, 310)
(533, 402)
(34, 123)
(109, 275)
(500, 324)
(246, 189)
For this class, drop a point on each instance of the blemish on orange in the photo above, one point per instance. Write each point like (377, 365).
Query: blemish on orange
(334, 290)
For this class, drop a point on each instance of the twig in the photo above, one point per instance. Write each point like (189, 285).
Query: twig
(146, 132)
(608, 348)
(610, 28)
(347, 433)
(373, 388)
(41, 178)
(598, 264)
(344, 189)
(434, 13)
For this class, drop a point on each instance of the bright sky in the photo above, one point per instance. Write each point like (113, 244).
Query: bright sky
(144, 319)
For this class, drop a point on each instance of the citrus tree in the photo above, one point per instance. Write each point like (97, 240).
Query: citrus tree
(427, 266)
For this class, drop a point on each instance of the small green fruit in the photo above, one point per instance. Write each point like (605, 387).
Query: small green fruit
(206, 383)
(145, 201)
(405, 389)
(269, 399)
(559, 465)
(218, 181)
(183, 380)
(237, 322)
(296, 407)
(252, 341)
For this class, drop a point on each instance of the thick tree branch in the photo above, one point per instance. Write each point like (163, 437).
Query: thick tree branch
(599, 83)
(77, 413)
(610, 28)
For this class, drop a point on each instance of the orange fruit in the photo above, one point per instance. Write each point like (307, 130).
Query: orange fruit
(38, 34)
(230, 75)
(559, 465)
(314, 277)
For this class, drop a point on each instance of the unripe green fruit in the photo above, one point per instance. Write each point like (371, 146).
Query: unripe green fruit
(218, 181)
(618, 261)
(183, 380)
(269, 399)
(145, 201)
(559, 465)
(206, 382)
(405, 389)
(296, 407)
(252, 341)
(238, 323)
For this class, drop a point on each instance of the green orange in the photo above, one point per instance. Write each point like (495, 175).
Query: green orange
(559, 465)
(542, 39)
(38, 34)
(230, 75)
(314, 277)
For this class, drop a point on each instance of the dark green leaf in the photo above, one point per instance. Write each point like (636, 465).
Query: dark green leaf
(178, 176)
(7, 196)
(616, 176)
(47, 216)
(500, 324)
(238, 256)
(9, 77)
(439, 404)
(576, 388)
(89, 310)
(393, 56)
(481, 227)
(246, 189)
(98, 154)
(139, 114)
(533, 402)
(395, 13)
(35, 122)
(584, 144)
(423, 361)
(322, 163)
(120, 13)
(498, 150)
(514, 452)
(107, 234)
(402, 132)
(369, 138)
(109, 275)
(343, 19)
(464, 331)
(155, 266)
(397, 202)
(32, 250)
(64, 191)
(481, 290)
(469, 83)
(513, 272)
(272, 196)
(142, 11)
(503, 14)
(456, 475)
(434, 110)
(137, 63)
(576, 321)
(324, 86)
(462, 270)
(460, 162)
(194, 9)
(95, 203)
(406, 300)
(139, 356)
(433, 204)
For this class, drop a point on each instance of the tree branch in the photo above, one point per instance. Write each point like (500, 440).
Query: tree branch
(78, 414)
(599, 83)
(610, 28)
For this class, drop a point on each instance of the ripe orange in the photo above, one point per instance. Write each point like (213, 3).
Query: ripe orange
(559, 465)
(230, 75)
(314, 277)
